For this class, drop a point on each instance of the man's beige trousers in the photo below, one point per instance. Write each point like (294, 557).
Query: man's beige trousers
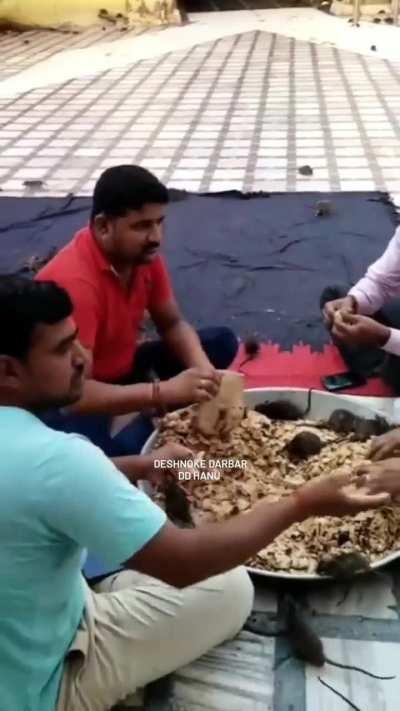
(137, 629)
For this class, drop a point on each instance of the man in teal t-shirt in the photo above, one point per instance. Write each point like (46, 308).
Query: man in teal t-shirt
(58, 494)
(62, 645)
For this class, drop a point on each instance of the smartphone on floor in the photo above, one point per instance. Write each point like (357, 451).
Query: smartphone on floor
(343, 381)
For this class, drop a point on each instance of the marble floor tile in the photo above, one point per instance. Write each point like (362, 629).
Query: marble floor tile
(368, 694)
(370, 597)
(237, 676)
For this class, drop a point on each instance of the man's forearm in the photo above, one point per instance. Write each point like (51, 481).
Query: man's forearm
(382, 280)
(183, 341)
(108, 399)
(215, 548)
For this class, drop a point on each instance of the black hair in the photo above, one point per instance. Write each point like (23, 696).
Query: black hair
(126, 187)
(24, 304)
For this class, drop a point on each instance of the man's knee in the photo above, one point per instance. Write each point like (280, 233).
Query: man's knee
(238, 598)
(330, 293)
(221, 345)
(229, 345)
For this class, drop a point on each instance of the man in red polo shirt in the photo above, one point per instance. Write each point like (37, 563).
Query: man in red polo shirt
(114, 274)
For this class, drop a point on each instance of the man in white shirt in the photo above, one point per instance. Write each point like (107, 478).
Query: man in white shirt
(365, 320)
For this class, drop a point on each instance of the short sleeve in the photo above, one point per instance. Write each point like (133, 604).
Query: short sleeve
(161, 288)
(86, 310)
(84, 497)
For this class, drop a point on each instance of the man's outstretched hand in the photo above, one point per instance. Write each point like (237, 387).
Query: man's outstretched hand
(340, 494)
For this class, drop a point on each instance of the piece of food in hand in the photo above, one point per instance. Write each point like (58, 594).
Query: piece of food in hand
(344, 318)
(226, 410)
(346, 303)
(359, 330)
(192, 385)
(343, 566)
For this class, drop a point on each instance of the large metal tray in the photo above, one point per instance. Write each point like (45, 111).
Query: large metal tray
(322, 405)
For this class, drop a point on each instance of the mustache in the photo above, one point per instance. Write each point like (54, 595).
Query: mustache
(151, 247)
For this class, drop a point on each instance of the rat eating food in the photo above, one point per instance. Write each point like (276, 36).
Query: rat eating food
(279, 410)
(344, 566)
(177, 505)
(345, 422)
(304, 444)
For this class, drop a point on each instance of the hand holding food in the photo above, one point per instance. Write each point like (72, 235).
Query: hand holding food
(385, 446)
(356, 330)
(193, 385)
(345, 304)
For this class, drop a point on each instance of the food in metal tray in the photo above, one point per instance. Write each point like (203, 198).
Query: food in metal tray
(272, 471)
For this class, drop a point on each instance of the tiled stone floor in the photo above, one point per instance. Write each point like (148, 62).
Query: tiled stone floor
(242, 111)
(19, 51)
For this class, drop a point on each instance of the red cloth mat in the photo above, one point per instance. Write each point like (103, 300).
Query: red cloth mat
(300, 368)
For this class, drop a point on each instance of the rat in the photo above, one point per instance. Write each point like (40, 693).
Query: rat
(364, 428)
(37, 262)
(284, 409)
(323, 208)
(279, 410)
(307, 645)
(305, 170)
(304, 445)
(341, 421)
(345, 422)
(252, 347)
(344, 566)
(177, 505)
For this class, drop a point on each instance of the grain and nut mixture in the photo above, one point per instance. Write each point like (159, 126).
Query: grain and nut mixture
(271, 472)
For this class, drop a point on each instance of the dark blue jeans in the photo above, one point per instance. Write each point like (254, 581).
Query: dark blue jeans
(221, 346)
